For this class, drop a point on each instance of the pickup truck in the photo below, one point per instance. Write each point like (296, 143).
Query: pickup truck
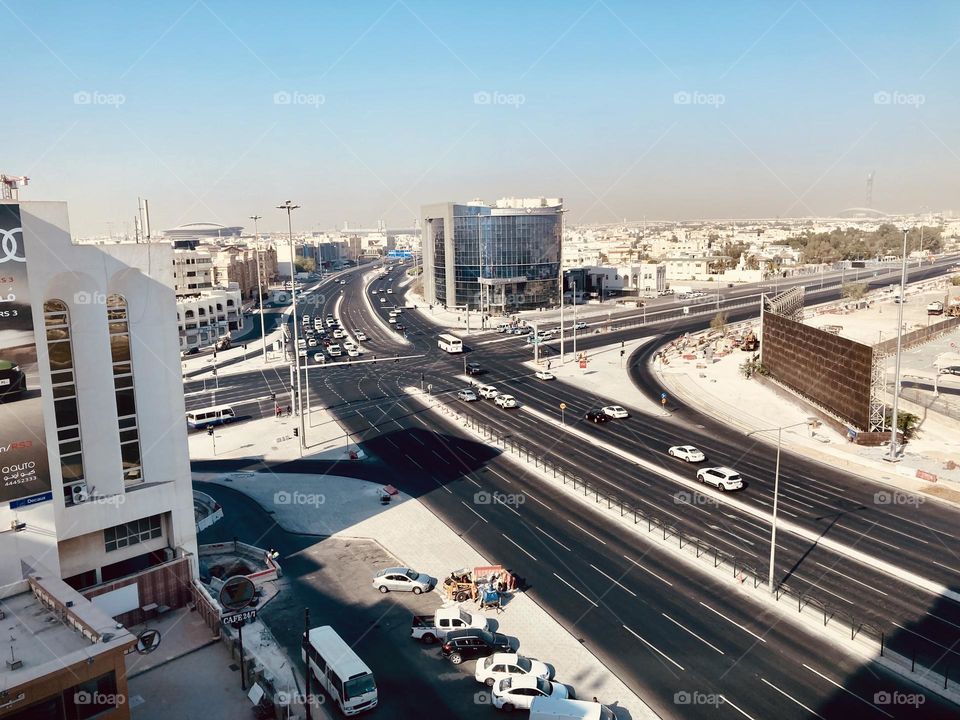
(430, 628)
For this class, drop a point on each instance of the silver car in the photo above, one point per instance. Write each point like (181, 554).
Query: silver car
(401, 579)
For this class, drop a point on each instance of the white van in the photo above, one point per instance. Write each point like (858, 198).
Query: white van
(346, 678)
(548, 708)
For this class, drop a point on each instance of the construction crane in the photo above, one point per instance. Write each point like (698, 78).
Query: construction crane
(10, 186)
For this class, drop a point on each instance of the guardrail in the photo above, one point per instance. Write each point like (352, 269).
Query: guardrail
(936, 660)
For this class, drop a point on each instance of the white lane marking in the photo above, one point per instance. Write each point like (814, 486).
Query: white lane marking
(787, 695)
(575, 590)
(621, 586)
(536, 499)
(838, 685)
(473, 481)
(919, 635)
(647, 570)
(442, 458)
(502, 477)
(587, 532)
(519, 547)
(859, 582)
(654, 648)
(507, 507)
(414, 437)
(392, 443)
(817, 586)
(944, 620)
(414, 462)
(725, 540)
(727, 701)
(733, 622)
(553, 538)
(679, 625)
(473, 511)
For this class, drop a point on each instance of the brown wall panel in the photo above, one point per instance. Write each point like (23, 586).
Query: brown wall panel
(832, 371)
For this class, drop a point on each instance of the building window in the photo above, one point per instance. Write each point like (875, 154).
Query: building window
(119, 328)
(64, 384)
(132, 533)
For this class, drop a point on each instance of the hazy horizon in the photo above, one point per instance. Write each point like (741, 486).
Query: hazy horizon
(216, 111)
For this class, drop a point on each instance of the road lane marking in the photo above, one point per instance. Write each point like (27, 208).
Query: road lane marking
(473, 511)
(727, 701)
(473, 481)
(787, 695)
(615, 582)
(536, 499)
(714, 647)
(414, 461)
(587, 532)
(442, 458)
(859, 582)
(505, 479)
(647, 570)
(654, 648)
(733, 622)
(575, 590)
(553, 538)
(838, 685)
(519, 548)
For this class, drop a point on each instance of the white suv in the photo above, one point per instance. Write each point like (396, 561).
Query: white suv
(722, 478)
(488, 392)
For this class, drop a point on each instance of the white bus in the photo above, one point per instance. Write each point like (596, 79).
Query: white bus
(205, 417)
(450, 343)
(345, 677)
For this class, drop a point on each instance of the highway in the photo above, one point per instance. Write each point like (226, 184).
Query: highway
(661, 628)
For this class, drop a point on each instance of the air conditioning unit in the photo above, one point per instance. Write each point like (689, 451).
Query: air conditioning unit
(79, 493)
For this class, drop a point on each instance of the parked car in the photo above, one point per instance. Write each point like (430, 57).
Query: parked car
(503, 665)
(518, 692)
(597, 416)
(544, 375)
(430, 628)
(615, 411)
(488, 392)
(506, 401)
(361, 336)
(467, 395)
(474, 369)
(13, 381)
(463, 645)
(546, 708)
(401, 579)
(687, 452)
(722, 478)
(952, 370)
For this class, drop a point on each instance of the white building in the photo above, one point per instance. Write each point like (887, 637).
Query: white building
(204, 319)
(645, 277)
(104, 395)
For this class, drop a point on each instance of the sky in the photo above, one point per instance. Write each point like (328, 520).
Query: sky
(217, 110)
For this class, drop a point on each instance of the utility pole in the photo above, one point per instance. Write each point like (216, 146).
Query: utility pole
(306, 661)
(563, 354)
(894, 449)
(256, 239)
(290, 207)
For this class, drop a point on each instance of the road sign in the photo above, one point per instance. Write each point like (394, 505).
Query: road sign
(237, 593)
(240, 617)
(148, 641)
(563, 406)
(663, 396)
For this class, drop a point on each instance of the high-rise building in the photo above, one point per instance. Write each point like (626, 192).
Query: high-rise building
(95, 482)
(493, 258)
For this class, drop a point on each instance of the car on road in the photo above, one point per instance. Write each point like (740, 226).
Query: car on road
(402, 579)
(687, 452)
(311, 342)
(544, 375)
(506, 401)
(597, 416)
(400, 327)
(361, 337)
(513, 693)
(339, 334)
(468, 644)
(349, 345)
(952, 370)
(467, 395)
(392, 320)
(334, 351)
(488, 392)
(318, 357)
(389, 291)
(13, 381)
(615, 411)
(722, 478)
(474, 369)
(499, 666)
(394, 312)
(343, 282)
(580, 325)
(383, 299)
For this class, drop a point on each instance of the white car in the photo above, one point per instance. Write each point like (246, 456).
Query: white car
(467, 395)
(389, 291)
(392, 320)
(498, 666)
(339, 334)
(394, 312)
(334, 350)
(488, 392)
(349, 345)
(518, 691)
(361, 337)
(353, 353)
(506, 401)
(615, 411)
(544, 375)
(383, 299)
(687, 452)
(580, 326)
(312, 342)
(402, 579)
(318, 357)
(722, 478)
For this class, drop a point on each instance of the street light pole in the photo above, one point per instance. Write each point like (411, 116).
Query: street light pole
(290, 207)
(563, 354)
(574, 296)
(263, 332)
(896, 373)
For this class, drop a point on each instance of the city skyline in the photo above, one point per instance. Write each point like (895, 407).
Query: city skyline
(217, 112)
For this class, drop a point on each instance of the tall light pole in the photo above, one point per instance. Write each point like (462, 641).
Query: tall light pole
(256, 240)
(290, 207)
(810, 422)
(563, 353)
(896, 373)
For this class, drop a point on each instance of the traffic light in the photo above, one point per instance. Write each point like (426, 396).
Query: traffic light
(273, 396)
(622, 353)
(210, 431)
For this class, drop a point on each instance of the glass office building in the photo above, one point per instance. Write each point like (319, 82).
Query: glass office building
(493, 258)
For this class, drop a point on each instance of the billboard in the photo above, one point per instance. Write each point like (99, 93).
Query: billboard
(831, 370)
(24, 468)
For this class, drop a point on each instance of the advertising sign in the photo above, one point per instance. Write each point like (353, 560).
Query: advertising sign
(24, 470)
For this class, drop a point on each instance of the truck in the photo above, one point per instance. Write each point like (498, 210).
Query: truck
(430, 628)
(935, 308)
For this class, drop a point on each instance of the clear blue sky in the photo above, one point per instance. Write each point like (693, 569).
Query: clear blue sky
(625, 109)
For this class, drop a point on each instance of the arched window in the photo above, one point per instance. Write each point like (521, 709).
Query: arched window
(64, 382)
(123, 388)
